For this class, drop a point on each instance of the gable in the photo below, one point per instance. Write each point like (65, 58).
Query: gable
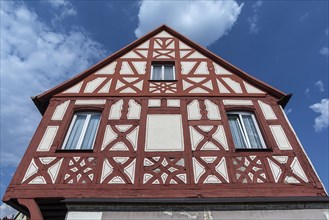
(128, 72)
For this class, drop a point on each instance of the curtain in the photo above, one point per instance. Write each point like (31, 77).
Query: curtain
(90, 135)
(156, 75)
(75, 132)
(236, 132)
(168, 73)
(251, 130)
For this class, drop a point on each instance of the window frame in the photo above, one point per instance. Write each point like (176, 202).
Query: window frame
(163, 64)
(243, 130)
(83, 131)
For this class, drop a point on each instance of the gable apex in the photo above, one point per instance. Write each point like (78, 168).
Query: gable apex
(135, 55)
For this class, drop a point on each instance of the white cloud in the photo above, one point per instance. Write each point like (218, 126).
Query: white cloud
(304, 16)
(7, 211)
(322, 121)
(66, 8)
(307, 91)
(202, 21)
(34, 57)
(319, 85)
(324, 51)
(253, 20)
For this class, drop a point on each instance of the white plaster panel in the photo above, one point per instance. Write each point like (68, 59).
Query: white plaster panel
(198, 170)
(220, 136)
(222, 169)
(93, 84)
(48, 138)
(173, 103)
(196, 55)
(140, 66)
(144, 45)
(171, 45)
(267, 111)
(276, 170)
(164, 132)
(106, 171)
(154, 103)
(163, 34)
(116, 108)
(186, 67)
(144, 53)
(198, 90)
(280, 137)
(183, 46)
(195, 137)
(31, 170)
(131, 55)
(220, 70)
(54, 169)
(237, 102)
(222, 88)
(125, 69)
(133, 137)
(106, 87)
(183, 53)
(90, 102)
(134, 111)
(208, 85)
(74, 89)
(235, 86)
(212, 109)
(84, 215)
(193, 110)
(38, 180)
(139, 85)
(298, 170)
(130, 171)
(252, 89)
(60, 111)
(109, 69)
(109, 136)
(202, 68)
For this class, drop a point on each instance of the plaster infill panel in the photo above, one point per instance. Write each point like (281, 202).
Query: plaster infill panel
(164, 133)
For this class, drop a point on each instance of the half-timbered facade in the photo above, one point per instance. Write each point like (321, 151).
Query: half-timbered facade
(162, 120)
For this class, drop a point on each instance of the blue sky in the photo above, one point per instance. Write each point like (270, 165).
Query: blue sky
(283, 43)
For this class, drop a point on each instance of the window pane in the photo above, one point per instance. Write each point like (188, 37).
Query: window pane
(90, 135)
(236, 132)
(156, 75)
(168, 73)
(252, 133)
(75, 132)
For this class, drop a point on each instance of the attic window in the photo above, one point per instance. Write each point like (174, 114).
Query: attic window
(245, 131)
(163, 71)
(82, 131)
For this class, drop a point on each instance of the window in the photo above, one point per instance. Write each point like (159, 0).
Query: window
(82, 131)
(245, 131)
(163, 71)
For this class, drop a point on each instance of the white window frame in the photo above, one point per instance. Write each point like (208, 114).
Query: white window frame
(162, 71)
(244, 130)
(83, 131)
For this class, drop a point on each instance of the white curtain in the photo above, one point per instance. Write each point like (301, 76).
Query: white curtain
(156, 75)
(90, 133)
(236, 132)
(73, 139)
(251, 131)
(168, 73)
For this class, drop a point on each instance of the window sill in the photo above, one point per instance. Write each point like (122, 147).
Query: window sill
(172, 80)
(74, 150)
(253, 149)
